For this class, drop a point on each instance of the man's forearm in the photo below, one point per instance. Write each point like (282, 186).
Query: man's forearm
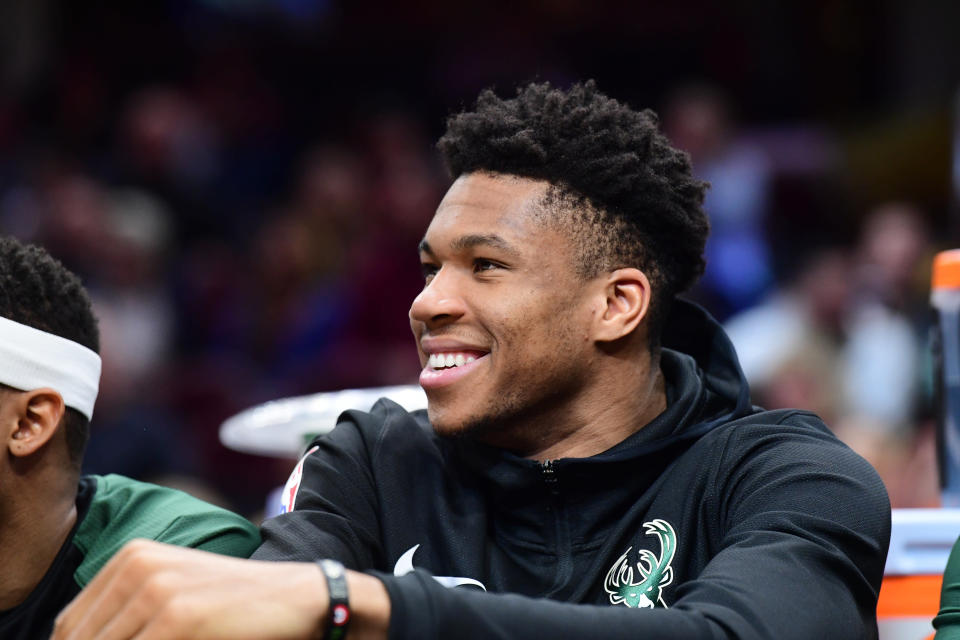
(160, 591)
(369, 607)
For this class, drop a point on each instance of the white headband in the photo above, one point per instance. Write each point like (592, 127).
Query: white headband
(31, 359)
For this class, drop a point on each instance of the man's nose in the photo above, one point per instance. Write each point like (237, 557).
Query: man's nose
(439, 302)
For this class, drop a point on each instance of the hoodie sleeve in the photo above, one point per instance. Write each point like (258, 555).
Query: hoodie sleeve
(331, 507)
(423, 608)
(799, 532)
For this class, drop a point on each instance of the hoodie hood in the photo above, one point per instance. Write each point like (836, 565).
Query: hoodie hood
(693, 337)
(691, 330)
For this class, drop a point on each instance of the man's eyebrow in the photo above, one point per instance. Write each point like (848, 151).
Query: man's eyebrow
(482, 239)
(472, 240)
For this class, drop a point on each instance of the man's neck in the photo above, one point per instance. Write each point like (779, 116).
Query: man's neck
(619, 401)
(31, 535)
(608, 420)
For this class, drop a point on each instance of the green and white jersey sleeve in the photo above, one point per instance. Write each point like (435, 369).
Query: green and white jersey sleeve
(947, 622)
(123, 509)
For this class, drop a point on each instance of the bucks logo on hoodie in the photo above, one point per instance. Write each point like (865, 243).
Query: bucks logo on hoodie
(654, 572)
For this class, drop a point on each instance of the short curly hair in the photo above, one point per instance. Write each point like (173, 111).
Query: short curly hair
(634, 200)
(38, 291)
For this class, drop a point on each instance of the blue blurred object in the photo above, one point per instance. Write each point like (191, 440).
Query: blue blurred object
(293, 10)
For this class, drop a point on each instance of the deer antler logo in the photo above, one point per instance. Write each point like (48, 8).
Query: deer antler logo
(655, 573)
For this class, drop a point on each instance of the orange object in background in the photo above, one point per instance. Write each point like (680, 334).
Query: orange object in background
(946, 270)
(907, 606)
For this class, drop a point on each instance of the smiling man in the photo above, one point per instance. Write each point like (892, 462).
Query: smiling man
(510, 318)
(589, 465)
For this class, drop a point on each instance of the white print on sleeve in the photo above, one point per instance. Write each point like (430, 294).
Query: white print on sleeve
(290, 490)
(405, 565)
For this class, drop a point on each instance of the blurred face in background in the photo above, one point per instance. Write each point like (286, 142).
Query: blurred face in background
(893, 245)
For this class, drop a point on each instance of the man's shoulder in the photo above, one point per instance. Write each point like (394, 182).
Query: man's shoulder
(122, 509)
(772, 441)
(385, 423)
(385, 413)
(784, 425)
(120, 496)
(782, 436)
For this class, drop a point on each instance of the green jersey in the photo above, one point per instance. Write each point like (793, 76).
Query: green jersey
(111, 511)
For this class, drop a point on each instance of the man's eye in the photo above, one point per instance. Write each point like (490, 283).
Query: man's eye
(481, 264)
(428, 270)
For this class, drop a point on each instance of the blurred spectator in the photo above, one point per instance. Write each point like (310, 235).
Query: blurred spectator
(846, 338)
(698, 120)
(894, 257)
(131, 287)
(790, 346)
(133, 434)
(166, 138)
(73, 211)
(885, 340)
(297, 297)
(384, 272)
(886, 417)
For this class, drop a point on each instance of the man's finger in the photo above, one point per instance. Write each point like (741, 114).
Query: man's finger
(148, 608)
(158, 591)
(121, 615)
(109, 591)
(78, 610)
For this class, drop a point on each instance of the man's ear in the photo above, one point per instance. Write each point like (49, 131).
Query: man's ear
(32, 419)
(626, 301)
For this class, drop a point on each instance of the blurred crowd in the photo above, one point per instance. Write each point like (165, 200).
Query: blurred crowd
(202, 315)
(842, 326)
(235, 256)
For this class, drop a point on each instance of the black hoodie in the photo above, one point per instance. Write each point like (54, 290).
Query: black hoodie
(720, 519)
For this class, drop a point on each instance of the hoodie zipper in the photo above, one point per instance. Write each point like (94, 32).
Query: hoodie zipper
(548, 471)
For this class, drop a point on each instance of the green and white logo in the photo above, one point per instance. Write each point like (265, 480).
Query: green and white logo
(654, 573)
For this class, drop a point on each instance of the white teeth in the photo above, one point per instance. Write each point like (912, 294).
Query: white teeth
(446, 360)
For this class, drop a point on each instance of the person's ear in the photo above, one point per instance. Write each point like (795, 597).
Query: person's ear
(626, 302)
(33, 417)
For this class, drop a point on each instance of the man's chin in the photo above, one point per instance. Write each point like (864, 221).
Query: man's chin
(445, 424)
(448, 424)
(478, 429)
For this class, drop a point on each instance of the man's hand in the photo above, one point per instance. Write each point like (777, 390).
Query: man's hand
(151, 590)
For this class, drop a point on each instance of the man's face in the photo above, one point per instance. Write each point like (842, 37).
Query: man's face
(502, 324)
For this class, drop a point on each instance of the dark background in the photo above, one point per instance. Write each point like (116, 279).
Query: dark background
(242, 184)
